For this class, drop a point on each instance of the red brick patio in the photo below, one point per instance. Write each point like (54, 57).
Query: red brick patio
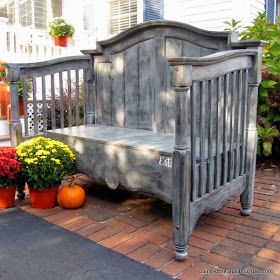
(139, 227)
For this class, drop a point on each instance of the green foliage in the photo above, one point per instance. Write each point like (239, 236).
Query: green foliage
(269, 91)
(45, 162)
(232, 25)
(28, 85)
(59, 27)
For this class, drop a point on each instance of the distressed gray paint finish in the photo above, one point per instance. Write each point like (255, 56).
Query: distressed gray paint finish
(104, 100)
(142, 121)
(146, 85)
(103, 155)
(131, 89)
(117, 89)
(160, 69)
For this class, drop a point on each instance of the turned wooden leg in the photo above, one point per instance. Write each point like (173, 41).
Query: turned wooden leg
(181, 202)
(246, 198)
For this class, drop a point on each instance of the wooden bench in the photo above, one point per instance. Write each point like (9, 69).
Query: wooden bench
(174, 115)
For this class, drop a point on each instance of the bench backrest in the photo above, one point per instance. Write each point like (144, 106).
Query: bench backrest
(132, 75)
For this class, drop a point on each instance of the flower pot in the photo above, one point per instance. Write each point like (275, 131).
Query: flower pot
(43, 199)
(61, 41)
(21, 108)
(4, 99)
(7, 197)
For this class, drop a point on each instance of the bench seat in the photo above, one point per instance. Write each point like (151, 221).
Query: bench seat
(130, 138)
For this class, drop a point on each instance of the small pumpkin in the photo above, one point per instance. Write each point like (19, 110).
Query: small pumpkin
(71, 196)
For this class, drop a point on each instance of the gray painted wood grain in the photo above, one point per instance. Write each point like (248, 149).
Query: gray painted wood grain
(146, 86)
(104, 99)
(118, 97)
(131, 90)
(34, 102)
(225, 127)
(61, 103)
(160, 70)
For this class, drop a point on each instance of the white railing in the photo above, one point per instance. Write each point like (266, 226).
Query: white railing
(19, 44)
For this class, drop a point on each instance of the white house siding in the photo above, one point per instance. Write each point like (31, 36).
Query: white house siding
(247, 10)
(212, 13)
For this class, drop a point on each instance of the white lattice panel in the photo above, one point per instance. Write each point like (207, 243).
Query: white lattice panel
(30, 112)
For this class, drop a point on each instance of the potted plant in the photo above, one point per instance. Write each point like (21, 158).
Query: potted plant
(44, 163)
(9, 175)
(61, 31)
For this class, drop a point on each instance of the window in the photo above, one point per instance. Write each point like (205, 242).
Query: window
(153, 9)
(270, 9)
(123, 14)
(25, 13)
(88, 16)
(56, 6)
(33, 13)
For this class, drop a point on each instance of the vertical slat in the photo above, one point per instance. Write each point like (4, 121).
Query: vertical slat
(77, 97)
(61, 100)
(131, 89)
(238, 124)
(25, 108)
(104, 91)
(202, 171)
(86, 96)
(118, 98)
(218, 135)
(193, 140)
(146, 89)
(53, 103)
(244, 134)
(225, 127)
(210, 175)
(45, 117)
(160, 83)
(232, 126)
(35, 106)
(69, 98)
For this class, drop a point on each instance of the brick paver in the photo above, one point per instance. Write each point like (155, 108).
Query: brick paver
(139, 227)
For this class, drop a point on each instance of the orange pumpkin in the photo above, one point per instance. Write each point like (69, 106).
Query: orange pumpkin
(71, 196)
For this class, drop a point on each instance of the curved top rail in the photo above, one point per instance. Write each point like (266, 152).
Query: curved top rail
(49, 67)
(48, 62)
(212, 58)
(161, 23)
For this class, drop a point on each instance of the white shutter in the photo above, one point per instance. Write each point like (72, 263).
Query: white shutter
(123, 14)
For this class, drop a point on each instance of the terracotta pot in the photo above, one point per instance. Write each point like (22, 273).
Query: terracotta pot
(61, 41)
(4, 99)
(7, 197)
(43, 199)
(21, 108)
